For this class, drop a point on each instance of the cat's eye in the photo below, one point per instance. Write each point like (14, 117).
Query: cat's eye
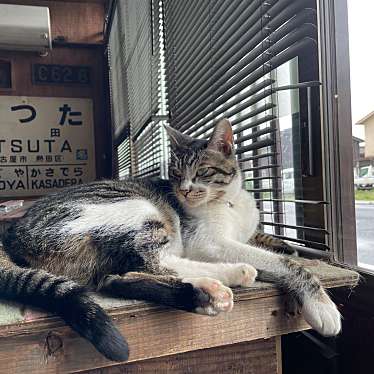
(205, 172)
(176, 173)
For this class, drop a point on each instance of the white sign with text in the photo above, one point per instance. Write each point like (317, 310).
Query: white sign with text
(45, 144)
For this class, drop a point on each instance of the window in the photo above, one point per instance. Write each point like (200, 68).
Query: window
(344, 27)
(364, 171)
(277, 69)
(359, 27)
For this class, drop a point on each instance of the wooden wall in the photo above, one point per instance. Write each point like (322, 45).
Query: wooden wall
(78, 21)
(81, 24)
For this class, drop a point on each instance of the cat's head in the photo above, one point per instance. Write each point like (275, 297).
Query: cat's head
(204, 170)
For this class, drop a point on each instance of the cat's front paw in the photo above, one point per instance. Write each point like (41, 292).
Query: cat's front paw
(220, 297)
(322, 315)
(242, 275)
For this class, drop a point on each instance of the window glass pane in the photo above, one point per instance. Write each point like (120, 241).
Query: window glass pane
(287, 112)
(360, 17)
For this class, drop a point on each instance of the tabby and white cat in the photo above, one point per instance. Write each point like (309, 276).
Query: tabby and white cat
(180, 243)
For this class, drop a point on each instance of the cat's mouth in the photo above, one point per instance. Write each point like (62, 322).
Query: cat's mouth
(193, 198)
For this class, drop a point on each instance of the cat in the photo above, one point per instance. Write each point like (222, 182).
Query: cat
(179, 242)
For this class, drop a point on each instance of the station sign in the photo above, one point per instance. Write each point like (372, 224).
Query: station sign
(46, 144)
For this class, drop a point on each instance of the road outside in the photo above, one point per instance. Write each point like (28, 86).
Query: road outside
(365, 233)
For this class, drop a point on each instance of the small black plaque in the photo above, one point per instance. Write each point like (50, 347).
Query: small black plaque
(5, 74)
(61, 74)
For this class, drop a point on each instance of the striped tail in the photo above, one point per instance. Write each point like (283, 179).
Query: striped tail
(66, 299)
(270, 242)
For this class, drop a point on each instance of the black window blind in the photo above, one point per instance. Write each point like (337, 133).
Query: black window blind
(239, 59)
(193, 62)
(137, 95)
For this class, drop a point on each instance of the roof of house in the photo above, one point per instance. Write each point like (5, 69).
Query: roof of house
(363, 120)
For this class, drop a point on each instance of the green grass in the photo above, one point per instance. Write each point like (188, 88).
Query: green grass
(367, 195)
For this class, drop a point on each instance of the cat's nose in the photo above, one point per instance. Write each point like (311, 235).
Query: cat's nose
(185, 187)
(186, 191)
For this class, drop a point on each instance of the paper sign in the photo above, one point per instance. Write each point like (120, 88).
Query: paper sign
(46, 144)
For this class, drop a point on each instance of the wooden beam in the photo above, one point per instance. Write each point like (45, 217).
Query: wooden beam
(257, 357)
(49, 347)
(46, 345)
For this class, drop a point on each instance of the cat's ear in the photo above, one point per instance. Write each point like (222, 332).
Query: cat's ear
(177, 139)
(222, 139)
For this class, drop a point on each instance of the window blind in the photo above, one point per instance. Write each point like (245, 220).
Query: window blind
(240, 60)
(124, 158)
(135, 60)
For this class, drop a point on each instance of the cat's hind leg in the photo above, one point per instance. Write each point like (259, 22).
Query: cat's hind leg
(203, 296)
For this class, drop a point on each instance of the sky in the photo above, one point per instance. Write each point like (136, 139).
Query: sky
(361, 51)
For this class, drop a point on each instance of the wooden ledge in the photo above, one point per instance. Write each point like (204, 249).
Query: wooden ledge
(43, 344)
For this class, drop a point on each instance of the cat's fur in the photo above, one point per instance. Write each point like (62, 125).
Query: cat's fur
(180, 243)
(268, 241)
